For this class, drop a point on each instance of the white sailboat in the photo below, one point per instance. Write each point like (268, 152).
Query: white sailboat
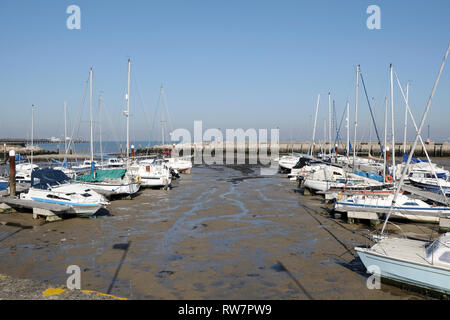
(404, 208)
(330, 177)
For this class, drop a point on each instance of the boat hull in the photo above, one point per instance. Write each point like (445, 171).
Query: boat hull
(409, 213)
(82, 210)
(155, 182)
(114, 189)
(429, 277)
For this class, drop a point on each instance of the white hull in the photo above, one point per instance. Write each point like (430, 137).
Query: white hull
(409, 261)
(81, 201)
(288, 162)
(113, 189)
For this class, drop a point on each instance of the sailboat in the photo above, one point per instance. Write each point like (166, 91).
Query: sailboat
(405, 207)
(112, 182)
(416, 262)
(330, 177)
(429, 183)
(421, 263)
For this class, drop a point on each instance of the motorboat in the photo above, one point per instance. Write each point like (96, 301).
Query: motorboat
(415, 262)
(54, 187)
(152, 173)
(405, 207)
(23, 172)
(85, 166)
(113, 163)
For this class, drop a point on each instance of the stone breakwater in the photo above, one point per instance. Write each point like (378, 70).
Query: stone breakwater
(434, 149)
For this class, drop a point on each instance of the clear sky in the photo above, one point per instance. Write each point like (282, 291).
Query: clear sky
(233, 64)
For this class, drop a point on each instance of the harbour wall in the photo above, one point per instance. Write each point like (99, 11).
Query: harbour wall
(434, 149)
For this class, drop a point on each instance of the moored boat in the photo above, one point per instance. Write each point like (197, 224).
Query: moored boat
(416, 262)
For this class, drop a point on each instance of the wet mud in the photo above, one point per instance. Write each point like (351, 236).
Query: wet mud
(223, 232)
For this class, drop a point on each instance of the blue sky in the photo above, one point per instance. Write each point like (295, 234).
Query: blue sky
(233, 64)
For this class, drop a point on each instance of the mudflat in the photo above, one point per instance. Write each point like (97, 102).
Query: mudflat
(223, 232)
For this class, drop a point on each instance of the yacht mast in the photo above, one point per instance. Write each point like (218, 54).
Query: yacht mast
(385, 135)
(90, 112)
(406, 118)
(392, 122)
(162, 114)
(315, 122)
(356, 114)
(348, 129)
(32, 134)
(100, 127)
(65, 128)
(128, 110)
(329, 123)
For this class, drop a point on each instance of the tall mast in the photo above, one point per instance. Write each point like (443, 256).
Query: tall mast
(406, 118)
(335, 128)
(392, 122)
(348, 129)
(385, 134)
(32, 134)
(90, 112)
(128, 110)
(356, 113)
(65, 127)
(100, 126)
(329, 123)
(162, 114)
(315, 122)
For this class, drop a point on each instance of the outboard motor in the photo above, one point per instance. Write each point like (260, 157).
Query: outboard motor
(174, 173)
(301, 163)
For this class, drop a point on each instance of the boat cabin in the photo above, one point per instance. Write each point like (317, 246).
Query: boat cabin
(438, 252)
